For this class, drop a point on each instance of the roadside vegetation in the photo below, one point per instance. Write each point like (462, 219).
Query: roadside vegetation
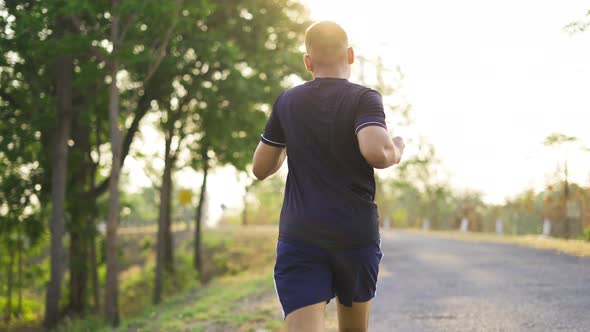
(572, 247)
(239, 264)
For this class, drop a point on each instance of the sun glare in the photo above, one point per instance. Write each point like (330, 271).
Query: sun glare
(476, 76)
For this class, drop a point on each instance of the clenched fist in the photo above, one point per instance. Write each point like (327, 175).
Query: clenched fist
(400, 145)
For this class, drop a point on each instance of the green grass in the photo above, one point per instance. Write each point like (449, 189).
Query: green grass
(239, 297)
(30, 309)
(572, 247)
(219, 305)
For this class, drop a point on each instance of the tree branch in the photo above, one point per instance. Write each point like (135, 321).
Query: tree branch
(143, 107)
(99, 54)
(126, 28)
(8, 98)
(161, 51)
(143, 104)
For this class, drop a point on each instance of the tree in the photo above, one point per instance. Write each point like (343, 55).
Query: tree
(37, 83)
(20, 218)
(176, 106)
(23, 172)
(117, 37)
(112, 285)
(419, 187)
(253, 49)
(556, 140)
(64, 69)
(579, 26)
(42, 95)
(171, 125)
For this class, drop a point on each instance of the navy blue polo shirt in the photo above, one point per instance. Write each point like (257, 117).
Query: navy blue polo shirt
(330, 190)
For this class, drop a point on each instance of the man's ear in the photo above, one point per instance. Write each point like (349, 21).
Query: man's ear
(350, 56)
(307, 61)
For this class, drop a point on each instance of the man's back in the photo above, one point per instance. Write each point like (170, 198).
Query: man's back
(329, 196)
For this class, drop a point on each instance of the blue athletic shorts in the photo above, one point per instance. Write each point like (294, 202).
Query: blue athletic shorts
(306, 275)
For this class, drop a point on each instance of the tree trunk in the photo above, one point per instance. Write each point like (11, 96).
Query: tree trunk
(112, 280)
(93, 218)
(9, 285)
(94, 272)
(93, 263)
(81, 210)
(566, 223)
(19, 308)
(198, 261)
(59, 166)
(163, 246)
(78, 259)
(168, 238)
(166, 196)
(245, 211)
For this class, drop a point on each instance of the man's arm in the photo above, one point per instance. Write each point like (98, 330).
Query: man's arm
(378, 149)
(267, 160)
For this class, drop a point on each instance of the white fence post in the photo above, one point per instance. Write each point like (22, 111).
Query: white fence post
(464, 225)
(426, 224)
(547, 227)
(499, 227)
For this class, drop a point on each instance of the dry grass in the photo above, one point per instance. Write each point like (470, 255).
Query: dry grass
(150, 229)
(572, 247)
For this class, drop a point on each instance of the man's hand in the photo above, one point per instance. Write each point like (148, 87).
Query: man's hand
(399, 144)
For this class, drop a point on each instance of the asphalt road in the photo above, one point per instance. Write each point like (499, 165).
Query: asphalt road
(433, 284)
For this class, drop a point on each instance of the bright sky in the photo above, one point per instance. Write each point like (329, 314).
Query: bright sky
(487, 80)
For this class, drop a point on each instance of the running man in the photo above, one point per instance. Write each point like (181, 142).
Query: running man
(335, 135)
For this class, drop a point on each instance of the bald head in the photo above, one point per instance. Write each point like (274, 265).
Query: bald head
(326, 43)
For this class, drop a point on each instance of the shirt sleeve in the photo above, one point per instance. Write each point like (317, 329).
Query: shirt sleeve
(273, 132)
(370, 111)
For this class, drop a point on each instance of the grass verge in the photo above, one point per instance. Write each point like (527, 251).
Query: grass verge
(236, 303)
(236, 262)
(572, 247)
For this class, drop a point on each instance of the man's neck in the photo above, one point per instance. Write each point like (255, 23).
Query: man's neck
(331, 73)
